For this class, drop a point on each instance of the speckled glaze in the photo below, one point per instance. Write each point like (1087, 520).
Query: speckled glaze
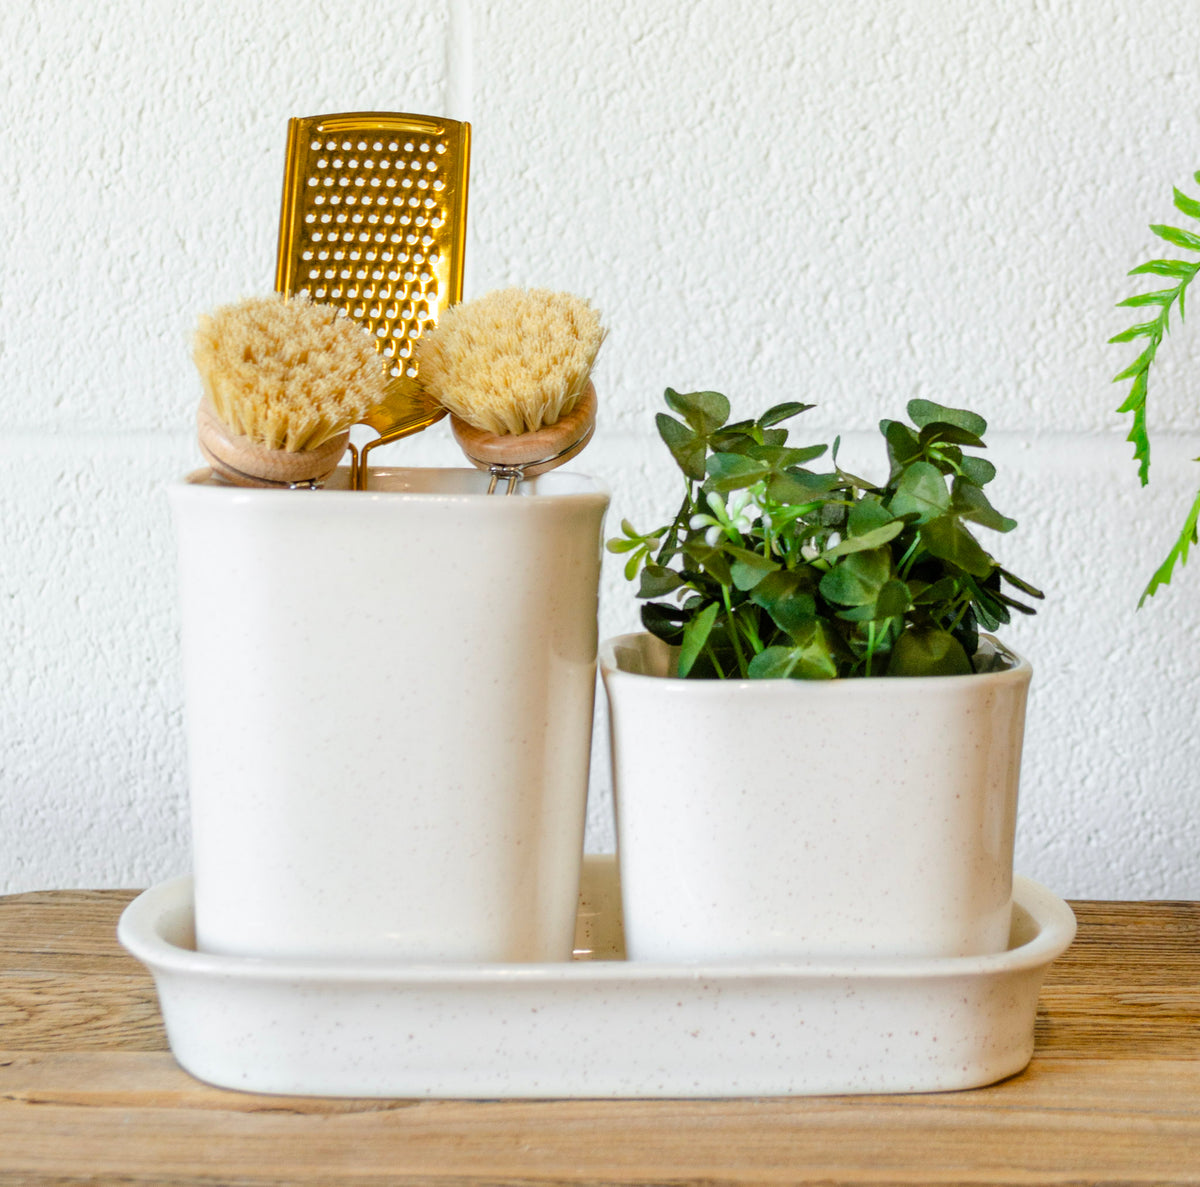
(785, 819)
(597, 1026)
(388, 708)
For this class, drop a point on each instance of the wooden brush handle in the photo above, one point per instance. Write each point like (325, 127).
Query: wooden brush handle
(237, 459)
(535, 452)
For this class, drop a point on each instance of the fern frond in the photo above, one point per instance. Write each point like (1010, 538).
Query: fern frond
(1182, 272)
(1187, 537)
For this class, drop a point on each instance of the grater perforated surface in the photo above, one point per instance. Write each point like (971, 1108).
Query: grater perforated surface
(374, 221)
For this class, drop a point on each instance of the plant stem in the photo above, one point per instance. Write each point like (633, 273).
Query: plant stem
(733, 632)
(670, 544)
(906, 561)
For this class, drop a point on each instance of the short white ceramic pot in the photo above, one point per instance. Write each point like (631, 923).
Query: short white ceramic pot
(788, 819)
(388, 702)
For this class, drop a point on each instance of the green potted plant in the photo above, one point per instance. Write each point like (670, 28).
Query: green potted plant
(780, 790)
(1150, 335)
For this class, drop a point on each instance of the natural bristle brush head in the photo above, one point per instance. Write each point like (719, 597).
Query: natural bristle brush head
(514, 370)
(284, 379)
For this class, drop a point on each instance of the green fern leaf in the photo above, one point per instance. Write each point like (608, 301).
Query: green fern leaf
(1177, 237)
(1137, 394)
(1179, 553)
(1161, 297)
(1139, 437)
(1189, 206)
(1146, 329)
(1141, 363)
(1179, 269)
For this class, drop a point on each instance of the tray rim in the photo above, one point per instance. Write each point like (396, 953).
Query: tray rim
(138, 932)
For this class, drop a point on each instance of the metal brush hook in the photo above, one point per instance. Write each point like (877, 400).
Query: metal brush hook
(513, 475)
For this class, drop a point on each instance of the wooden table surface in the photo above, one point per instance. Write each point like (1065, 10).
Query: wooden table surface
(89, 1092)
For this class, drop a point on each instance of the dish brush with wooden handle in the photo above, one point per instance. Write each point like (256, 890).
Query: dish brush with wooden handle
(514, 370)
(284, 379)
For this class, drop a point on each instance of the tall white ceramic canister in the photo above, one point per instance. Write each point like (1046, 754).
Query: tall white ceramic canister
(388, 701)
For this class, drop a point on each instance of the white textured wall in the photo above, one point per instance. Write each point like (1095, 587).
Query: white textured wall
(848, 202)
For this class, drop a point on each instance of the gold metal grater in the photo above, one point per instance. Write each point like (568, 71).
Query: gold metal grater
(374, 220)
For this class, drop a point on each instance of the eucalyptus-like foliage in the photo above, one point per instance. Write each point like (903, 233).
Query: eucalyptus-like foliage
(773, 569)
(1180, 273)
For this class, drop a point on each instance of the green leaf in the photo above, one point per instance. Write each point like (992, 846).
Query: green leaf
(1140, 363)
(754, 560)
(866, 542)
(893, 600)
(774, 663)
(731, 471)
(1159, 297)
(928, 653)
(792, 488)
(783, 596)
(658, 581)
(944, 589)
(710, 558)
(781, 458)
(664, 621)
(1178, 269)
(922, 492)
(926, 412)
(748, 568)
(866, 515)
(902, 444)
(686, 447)
(632, 538)
(978, 470)
(729, 441)
(987, 603)
(948, 540)
(1135, 402)
(778, 412)
(705, 412)
(1179, 238)
(1137, 394)
(1146, 329)
(817, 646)
(1189, 206)
(695, 635)
(938, 432)
(810, 659)
(1179, 553)
(969, 502)
(1023, 586)
(857, 580)
(745, 577)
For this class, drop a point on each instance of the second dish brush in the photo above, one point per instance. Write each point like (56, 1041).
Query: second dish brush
(514, 370)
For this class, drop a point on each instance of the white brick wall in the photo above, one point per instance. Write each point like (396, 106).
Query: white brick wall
(853, 203)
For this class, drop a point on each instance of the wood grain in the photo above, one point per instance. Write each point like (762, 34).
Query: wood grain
(88, 1092)
(1129, 987)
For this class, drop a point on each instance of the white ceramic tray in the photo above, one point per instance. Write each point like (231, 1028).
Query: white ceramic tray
(597, 1026)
